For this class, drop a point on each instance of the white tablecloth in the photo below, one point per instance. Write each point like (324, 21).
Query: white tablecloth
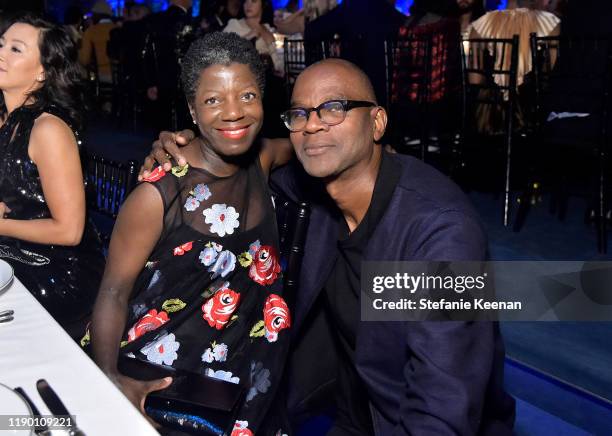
(34, 346)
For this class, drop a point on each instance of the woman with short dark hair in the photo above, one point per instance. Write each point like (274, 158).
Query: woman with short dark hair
(193, 280)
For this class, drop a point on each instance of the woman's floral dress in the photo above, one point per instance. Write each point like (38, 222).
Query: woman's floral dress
(209, 300)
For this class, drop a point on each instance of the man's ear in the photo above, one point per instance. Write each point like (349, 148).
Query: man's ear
(380, 123)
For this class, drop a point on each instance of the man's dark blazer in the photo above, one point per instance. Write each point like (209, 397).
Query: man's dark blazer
(423, 378)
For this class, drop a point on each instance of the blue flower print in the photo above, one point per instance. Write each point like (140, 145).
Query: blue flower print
(226, 262)
(191, 204)
(201, 192)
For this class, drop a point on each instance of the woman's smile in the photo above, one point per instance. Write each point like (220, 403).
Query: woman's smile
(235, 132)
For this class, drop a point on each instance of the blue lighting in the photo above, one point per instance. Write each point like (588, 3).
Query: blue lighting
(400, 5)
(403, 6)
(279, 4)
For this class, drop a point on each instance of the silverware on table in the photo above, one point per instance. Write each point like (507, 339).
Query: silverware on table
(40, 430)
(56, 406)
(7, 315)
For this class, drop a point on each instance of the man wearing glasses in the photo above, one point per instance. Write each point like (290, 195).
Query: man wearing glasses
(393, 378)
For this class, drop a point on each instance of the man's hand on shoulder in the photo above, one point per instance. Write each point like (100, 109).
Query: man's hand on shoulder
(167, 146)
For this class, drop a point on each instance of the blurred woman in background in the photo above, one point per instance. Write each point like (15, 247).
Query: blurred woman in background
(44, 233)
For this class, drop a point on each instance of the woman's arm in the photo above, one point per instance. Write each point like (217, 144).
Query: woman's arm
(291, 24)
(137, 230)
(54, 150)
(274, 153)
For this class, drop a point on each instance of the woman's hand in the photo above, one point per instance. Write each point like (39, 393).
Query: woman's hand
(165, 147)
(258, 30)
(4, 209)
(136, 390)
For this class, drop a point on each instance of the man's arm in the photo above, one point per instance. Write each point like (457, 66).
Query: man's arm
(447, 374)
(274, 153)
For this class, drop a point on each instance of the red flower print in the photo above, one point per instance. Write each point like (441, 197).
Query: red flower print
(149, 322)
(265, 266)
(155, 175)
(276, 316)
(220, 307)
(241, 428)
(182, 249)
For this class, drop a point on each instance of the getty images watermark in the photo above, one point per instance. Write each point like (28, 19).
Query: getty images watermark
(479, 291)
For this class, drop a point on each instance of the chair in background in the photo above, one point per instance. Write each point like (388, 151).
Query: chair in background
(489, 94)
(423, 76)
(408, 63)
(295, 61)
(571, 117)
(298, 54)
(108, 184)
(128, 96)
(293, 219)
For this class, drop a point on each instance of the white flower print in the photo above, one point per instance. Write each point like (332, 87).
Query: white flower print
(191, 204)
(208, 256)
(162, 351)
(220, 352)
(260, 380)
(225, 264)
(222, 375)
(223, 219)
(241, 425)
(201, 192)
(208, 356)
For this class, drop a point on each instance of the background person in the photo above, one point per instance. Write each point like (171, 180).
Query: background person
(44, 233)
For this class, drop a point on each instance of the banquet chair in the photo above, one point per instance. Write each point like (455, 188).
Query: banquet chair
(489, 87)
(423, 79)
(293, 219)
(295, 61)
(298, 54)
(408, 63)
(571, 116)
(107, 185)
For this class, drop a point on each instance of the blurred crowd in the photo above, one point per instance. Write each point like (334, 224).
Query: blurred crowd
(135, 55)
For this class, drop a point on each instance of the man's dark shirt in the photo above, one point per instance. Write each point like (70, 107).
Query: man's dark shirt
(342, 292)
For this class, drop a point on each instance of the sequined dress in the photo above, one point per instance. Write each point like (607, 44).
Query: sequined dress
(210, 298)
(64, 279)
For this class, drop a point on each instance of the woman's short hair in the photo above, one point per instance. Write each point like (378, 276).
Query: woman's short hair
(63, 83)
(218, 48)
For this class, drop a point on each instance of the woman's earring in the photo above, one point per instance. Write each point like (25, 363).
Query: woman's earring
(194, 121)
(41, 78)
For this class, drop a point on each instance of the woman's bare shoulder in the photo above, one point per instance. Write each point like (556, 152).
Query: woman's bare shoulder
(50, 135)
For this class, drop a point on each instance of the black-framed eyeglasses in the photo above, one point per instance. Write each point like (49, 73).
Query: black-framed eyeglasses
(331, 112)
